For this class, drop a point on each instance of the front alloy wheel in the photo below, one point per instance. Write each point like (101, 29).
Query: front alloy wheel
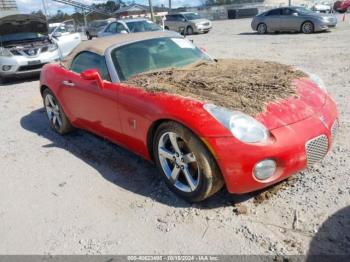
(262, 29)
(187, 166)
(178, 163)
(307, 28)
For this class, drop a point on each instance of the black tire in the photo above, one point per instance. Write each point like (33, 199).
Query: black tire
(261, 28)
(166, 28)
(65, 127)
(309, 25)
(207, 173)
(189, 30)
(89, 37)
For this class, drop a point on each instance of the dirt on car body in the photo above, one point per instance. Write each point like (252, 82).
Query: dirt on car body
(244, 85)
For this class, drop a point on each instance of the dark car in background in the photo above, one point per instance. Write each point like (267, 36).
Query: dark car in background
(292, 19)
(96, 26)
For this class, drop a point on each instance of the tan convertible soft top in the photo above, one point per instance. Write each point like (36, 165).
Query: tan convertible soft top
(99, 45)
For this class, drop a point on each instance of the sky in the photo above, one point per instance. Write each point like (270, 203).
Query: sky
(28, 6)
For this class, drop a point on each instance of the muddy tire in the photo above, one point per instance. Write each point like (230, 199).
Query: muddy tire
(55, 114)
(307, 27)
(188, 168)
(189, 30)
(262, 29)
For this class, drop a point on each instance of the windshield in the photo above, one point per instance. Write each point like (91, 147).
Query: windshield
(304, 10)
(155, 55)
(99, 23)
(51, 29)
(19, 37)
(192, 16)
(142, 26)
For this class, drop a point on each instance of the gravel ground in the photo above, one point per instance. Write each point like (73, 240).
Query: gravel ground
(79, 194)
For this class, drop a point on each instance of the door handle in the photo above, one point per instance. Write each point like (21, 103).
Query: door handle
(68, 83)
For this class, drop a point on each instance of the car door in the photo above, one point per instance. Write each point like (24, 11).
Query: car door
(170, 22)
(273, 20)
(67, 38)
(290, 20)
(181, 23)
(91, 106)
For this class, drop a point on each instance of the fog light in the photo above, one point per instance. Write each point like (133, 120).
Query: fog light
(264, 169)
(6, 68)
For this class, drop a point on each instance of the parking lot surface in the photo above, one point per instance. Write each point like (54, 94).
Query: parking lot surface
(79, 194)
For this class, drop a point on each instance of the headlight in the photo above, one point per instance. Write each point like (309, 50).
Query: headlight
(4, 52)
(316, 79)
(52, 47)
(242, 126)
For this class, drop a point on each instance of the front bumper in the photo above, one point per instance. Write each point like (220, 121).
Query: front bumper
(287, 147)
(325, 25)
(22, 65)
(202, 29)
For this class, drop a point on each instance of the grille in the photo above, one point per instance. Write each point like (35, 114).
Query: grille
(316, 149)
(30, 67)
(31, 52)
(334, 130)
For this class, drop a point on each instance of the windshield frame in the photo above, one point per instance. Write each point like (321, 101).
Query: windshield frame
(192, 16)
(143, 22)
(109, 60)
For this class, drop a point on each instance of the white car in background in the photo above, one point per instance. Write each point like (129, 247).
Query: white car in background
(25, 46)
(322, 7)
(65, 35)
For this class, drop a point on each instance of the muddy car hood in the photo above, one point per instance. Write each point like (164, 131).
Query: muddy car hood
(23, 24)
(309, 100)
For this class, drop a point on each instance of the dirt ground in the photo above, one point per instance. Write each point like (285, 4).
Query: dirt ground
(79, 194)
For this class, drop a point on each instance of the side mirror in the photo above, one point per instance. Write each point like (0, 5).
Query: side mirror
(124, 32)
(93, 75)
(56, 35)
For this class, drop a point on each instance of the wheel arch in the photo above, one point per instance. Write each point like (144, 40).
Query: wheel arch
(42, 89)
(153, 129)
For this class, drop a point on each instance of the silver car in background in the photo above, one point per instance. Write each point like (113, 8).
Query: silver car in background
(25, 45)
(295, 19)
(187, 22)
(96, 26)
(128, 26)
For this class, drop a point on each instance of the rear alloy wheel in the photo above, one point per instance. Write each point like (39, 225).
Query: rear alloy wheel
(57, 118)
(262, 29)
(307, 27)
(188, 168)
(189, 30)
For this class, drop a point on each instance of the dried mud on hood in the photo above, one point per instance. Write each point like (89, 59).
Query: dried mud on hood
(244, 85)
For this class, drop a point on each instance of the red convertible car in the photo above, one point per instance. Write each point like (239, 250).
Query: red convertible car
(198, 147)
